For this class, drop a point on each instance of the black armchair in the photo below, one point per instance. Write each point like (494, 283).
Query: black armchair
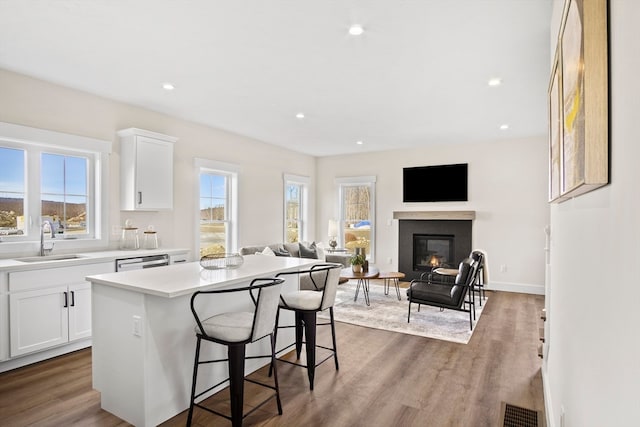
(478, 283)
(445, 295)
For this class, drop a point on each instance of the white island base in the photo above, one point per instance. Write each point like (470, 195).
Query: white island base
(144, 339)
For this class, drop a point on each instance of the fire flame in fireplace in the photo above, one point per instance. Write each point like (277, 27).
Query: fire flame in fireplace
(434, 261)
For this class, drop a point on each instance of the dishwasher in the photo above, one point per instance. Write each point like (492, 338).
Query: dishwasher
(138, 263)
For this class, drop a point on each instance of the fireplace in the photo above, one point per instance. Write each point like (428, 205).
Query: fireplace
(427, 244)
(432, 251)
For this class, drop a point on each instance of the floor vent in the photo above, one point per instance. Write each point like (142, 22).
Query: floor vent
(516, 416)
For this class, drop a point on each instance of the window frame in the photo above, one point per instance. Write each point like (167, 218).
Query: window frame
(90, 186)
(358, 181)
(303, 215)
(232, 172)
(34, 142)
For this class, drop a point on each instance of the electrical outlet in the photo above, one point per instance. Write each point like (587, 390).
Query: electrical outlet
(137, 327)
(503, 268)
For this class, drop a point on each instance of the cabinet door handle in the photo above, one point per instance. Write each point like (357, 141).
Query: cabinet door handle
(139, 197)
(66, 300)
(73, 298)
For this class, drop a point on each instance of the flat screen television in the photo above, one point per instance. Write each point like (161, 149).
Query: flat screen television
(442, 183)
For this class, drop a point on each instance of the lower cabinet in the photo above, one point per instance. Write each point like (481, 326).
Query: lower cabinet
(50, 307)
(38, 320)
(80, 311)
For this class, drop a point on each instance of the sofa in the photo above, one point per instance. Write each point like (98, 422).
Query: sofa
(308, 250)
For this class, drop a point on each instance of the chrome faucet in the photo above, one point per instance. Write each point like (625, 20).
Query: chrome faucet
(45, 251)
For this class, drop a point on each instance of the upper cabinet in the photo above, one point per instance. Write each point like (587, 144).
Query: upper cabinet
(146, 170)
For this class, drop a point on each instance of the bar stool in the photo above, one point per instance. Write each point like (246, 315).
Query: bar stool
(317, 292)
(235, 330)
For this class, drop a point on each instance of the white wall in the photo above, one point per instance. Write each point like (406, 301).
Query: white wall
(592, 369)
(507, 189)
(35, 103)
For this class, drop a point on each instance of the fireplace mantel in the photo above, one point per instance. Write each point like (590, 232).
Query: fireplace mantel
(435, 215)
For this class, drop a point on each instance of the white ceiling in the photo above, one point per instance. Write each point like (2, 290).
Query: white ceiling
(418, 75)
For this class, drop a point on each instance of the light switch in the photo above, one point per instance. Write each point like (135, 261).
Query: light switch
(137, 326)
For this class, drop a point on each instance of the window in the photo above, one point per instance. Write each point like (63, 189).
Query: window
(217, 213)
(295, 208)
(12, 192)
(357, 214)
(64, 193)
(55, 177)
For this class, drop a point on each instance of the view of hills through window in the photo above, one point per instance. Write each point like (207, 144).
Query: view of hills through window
(63, 192)
(213, 213)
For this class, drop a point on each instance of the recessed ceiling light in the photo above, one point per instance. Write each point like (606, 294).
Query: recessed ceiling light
(356, 30)
(504, 127)
(359, 142)
(496, 81)
(300, 116)
(168, 86)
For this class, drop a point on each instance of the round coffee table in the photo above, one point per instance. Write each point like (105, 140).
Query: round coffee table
(363, 280)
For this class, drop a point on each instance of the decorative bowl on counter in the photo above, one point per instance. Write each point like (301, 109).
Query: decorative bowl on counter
(220, 261)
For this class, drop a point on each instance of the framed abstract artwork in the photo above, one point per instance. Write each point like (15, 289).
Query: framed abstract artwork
(555, 123)
(579, 102)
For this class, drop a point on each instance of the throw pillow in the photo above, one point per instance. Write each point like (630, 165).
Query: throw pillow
(308, 251)
(266, 251)
(282, 252)
(322, 256)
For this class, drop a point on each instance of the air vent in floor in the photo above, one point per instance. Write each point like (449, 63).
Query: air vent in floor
(516, 416)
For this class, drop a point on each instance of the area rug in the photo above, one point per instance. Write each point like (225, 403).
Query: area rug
(387, 313)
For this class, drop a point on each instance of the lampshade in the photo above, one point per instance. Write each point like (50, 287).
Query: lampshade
(333, 228)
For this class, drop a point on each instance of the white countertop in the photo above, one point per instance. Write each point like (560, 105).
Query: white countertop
(183, 279)
(13, 264)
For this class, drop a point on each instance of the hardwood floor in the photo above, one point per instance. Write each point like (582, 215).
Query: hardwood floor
(385, 379)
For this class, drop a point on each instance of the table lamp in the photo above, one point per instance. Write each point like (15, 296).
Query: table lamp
(333, 232)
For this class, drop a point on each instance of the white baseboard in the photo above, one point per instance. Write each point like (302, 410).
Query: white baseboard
(548, 409)
(21, 361)
(524, 288)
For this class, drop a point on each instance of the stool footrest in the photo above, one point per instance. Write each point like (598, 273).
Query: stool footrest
(211, 388)
(303, 365)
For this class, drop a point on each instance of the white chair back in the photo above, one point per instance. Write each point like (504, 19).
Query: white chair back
(322, 277)
(331, 287)
(264, 319)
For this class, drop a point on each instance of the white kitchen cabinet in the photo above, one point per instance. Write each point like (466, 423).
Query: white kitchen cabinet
(4, 318)
(50, 307)
(79, 311)
(38, 319)
(146, 170)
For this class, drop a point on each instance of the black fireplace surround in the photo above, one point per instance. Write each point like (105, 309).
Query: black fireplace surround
(456, 234)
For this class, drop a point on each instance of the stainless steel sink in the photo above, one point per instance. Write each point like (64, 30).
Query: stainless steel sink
(49, 258)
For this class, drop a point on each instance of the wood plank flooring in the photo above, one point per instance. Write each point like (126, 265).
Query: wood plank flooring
(385, 379)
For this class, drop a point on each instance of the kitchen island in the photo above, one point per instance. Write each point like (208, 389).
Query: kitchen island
(144, 337)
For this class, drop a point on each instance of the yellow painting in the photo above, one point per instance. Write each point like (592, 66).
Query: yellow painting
(579, 102)
(573, 97)
(555, 123)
